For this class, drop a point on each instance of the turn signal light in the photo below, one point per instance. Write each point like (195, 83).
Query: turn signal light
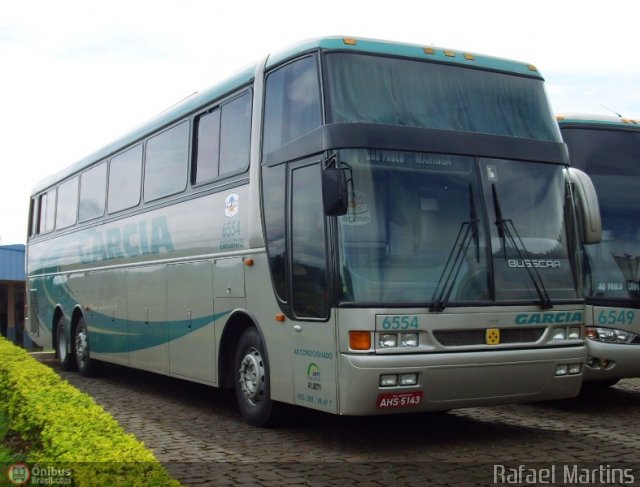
(359, 340)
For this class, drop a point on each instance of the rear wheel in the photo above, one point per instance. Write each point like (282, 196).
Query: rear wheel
(86, 365)
(251, 377)
(63, 345)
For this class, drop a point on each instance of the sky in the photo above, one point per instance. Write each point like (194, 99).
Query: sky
(75, 75)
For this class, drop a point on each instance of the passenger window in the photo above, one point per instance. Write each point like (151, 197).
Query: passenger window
(223, 139)
(292, 103)
(67, 208)
(125, 174)
(33, 217)
(167, 154)
(47, 212)
(93, 190)
(207, 146)
(235, 134)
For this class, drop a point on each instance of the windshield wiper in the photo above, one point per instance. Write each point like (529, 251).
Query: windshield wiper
(506, 232)
(468, 232)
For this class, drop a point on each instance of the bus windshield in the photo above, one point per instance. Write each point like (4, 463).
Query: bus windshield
(394, 91)
(412, 214)
(612, 160)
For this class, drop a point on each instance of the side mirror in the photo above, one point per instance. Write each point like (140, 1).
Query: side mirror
(335, 194)
(587, 206)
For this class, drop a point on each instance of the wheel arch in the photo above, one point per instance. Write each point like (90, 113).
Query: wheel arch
(238, 322)
(76, 314)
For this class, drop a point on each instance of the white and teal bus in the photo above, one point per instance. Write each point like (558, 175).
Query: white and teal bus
(355, 226)
(607, 148)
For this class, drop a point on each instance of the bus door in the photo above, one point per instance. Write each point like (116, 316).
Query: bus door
(314, 341)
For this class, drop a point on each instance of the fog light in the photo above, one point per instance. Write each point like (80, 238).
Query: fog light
(574, 333)
(575, 369)
(559, 334)
(562, 369)
(409, 340)
(388, 341)
(388, 380)
(408, 379)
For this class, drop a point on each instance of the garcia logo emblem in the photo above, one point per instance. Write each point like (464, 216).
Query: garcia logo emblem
(231, 205)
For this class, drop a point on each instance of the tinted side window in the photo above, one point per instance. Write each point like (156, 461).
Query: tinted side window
(235, 134)
(223, 139)
(274, 182)
(207, 146)
(67, 208)
(33, 217)
(292, 103)
(93, 190)
(125, 174)
(165, 170)
(308, 255)
(47, 211)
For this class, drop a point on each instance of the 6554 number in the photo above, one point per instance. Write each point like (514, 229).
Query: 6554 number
(400, 323)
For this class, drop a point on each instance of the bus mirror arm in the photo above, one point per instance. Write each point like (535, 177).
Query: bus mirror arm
(335, 193)
(587, 206)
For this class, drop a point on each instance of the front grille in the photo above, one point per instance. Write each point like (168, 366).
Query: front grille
(462, 338)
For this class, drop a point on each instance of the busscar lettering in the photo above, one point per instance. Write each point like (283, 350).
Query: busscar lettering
(130, 240)
(533, 263)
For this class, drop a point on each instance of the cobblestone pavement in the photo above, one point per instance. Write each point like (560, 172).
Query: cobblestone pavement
(197, 432)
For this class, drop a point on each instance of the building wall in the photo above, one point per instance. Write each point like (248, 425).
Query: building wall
(12, 312)
(12, 294)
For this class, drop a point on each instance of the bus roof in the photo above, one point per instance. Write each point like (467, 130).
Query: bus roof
(416, 51)
(201, 99)
(597, 120)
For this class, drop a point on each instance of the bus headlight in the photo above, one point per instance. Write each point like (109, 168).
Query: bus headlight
(389, 340)
(574, 333)
(409, 340)
(408, 379)
(611, 335)
(388, 380)
(566, 333)
(395, 340)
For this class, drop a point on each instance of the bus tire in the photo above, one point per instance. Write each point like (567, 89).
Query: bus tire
(251, 378)
(63, 345)
(86, 365)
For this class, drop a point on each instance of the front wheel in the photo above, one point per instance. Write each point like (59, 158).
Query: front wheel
(251, 379)
(86, 365)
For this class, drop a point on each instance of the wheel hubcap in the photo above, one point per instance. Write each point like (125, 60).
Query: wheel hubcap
(252, 376)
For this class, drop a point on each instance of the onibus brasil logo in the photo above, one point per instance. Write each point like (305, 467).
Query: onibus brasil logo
(21, 474)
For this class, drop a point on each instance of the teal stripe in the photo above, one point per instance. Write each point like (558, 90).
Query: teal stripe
(140, 335)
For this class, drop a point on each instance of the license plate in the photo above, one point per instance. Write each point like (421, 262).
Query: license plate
(399, 399)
